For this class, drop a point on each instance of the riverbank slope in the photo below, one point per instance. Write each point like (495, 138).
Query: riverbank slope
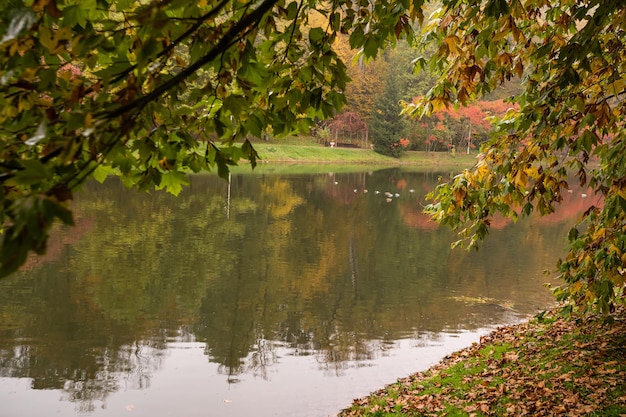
(548, 366)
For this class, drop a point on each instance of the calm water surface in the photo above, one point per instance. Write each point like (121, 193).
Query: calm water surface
(281, 295)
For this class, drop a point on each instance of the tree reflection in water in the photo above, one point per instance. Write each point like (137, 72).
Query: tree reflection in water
(311, 265)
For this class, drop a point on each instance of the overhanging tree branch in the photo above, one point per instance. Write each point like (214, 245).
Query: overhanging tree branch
(225, 42)
(198, 22)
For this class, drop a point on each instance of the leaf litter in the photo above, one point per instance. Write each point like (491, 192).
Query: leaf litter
(548, 366)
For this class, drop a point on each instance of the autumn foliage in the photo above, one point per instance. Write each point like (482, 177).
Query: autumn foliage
(569, 121)
(347, 127)
(453, 127)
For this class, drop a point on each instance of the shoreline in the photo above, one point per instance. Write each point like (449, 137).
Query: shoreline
(270, 153)
(547, 365)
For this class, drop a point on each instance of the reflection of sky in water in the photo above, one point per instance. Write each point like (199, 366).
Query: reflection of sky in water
(294, 385)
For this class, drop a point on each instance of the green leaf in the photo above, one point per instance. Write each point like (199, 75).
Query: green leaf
(292, 10)
(173, 182)
(33, 172)
(370, 47)
(75, 15)
(250, 153)
(588, 139)
(316, 35)
(222, 165)
(235, 104)
(102, 172)
(496, 8)
(254, 125)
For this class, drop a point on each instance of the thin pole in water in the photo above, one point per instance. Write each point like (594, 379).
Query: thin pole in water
(228, 198)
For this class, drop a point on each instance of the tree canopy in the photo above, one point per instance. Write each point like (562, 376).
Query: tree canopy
(152, 90)
(567, 126)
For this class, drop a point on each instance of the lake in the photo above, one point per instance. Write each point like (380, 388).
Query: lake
(276, 295)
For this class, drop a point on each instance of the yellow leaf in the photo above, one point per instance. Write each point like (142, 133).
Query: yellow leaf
(53, 41)
(65, 74)
(64, 34)
(29, 74)
(576, 287)
(613, 248)
(599, 234)
(24, 104)
(452, 41)
(617, 87)
(438, 103)
(499, 35)
(521, 178)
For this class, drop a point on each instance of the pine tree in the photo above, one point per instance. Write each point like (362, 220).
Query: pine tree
(387, 126)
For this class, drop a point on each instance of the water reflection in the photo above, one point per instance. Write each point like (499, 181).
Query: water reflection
(330, 268)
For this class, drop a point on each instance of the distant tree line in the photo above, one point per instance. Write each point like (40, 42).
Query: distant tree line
(372, 117)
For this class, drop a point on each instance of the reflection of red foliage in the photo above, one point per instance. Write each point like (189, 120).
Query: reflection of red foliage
(499, 222)
(572, 206)
(413, 217)
(401, 184)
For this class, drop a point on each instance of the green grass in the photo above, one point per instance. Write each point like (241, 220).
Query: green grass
(277, 152)
(554, 366)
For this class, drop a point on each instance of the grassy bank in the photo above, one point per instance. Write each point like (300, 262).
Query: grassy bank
(277, 152)
(549, 366)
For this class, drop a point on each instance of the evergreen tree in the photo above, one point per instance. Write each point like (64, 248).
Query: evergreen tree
(387, 126)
